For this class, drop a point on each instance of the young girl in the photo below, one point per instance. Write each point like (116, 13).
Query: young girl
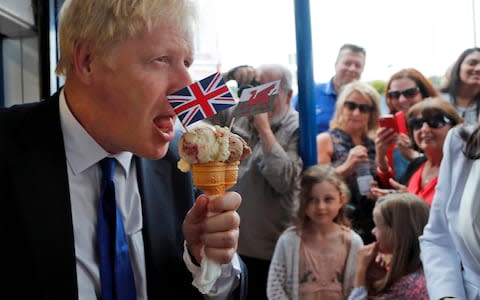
(316, 258)
(399, 221)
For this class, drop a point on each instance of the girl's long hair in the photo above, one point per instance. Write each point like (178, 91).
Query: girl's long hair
(406, 215)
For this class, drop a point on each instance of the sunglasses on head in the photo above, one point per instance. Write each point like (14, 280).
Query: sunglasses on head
(364, 108)
(408, 93)
(432, 121)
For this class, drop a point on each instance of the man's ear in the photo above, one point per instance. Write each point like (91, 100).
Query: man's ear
(82, 60)
(289, 96)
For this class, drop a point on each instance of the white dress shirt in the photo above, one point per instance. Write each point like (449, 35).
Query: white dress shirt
(84, 176)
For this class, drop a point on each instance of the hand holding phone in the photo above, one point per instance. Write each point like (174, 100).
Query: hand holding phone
(396, 122)
(388, 121)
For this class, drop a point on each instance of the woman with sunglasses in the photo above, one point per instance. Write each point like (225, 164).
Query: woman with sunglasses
(463, 85)
(428, 122)
(394, 150)
(348, 145)
(450, 244)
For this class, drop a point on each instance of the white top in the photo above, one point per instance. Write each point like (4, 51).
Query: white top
(469, 114)
(470, 213)
(283, 276)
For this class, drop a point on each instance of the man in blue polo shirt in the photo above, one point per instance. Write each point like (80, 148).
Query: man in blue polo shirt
(348, 67)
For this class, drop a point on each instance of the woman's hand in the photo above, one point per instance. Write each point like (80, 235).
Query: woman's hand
(371, 195)
(384, 137)
(356, 155)
(396, 188)
(404, 144)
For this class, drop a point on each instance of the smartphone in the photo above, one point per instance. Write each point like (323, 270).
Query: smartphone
(401, 122)
(388, 121)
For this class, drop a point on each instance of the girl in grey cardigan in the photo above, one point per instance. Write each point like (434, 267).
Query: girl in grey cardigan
(316, 258)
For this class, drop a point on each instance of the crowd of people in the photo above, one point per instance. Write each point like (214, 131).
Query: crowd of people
(384, 214)
(405, 167)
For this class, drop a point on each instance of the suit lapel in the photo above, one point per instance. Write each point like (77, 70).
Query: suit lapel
(166, 197)
(45, 199)
(155, 188)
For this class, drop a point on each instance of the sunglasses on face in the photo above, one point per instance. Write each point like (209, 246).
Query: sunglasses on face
(433, 122)
(364, 108)
(408, 93)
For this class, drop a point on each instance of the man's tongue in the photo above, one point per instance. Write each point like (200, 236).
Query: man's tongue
(163, 123)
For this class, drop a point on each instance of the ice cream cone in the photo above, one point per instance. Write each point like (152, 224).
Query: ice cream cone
(231, 174)
(209, 177)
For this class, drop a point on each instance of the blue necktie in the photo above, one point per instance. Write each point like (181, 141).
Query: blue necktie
(116, 275)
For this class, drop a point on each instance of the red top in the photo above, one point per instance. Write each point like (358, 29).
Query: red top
(415, 186)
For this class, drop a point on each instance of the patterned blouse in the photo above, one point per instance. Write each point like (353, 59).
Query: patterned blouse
(361, 207)
(411, 286)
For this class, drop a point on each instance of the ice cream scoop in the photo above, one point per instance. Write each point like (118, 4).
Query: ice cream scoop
(239, 150)
(209, 144)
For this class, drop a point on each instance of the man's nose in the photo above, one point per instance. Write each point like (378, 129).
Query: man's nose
(180, 79)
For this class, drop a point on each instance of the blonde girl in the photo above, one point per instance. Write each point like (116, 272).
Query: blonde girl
(315, 259)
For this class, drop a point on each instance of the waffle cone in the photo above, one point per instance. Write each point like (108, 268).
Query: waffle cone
(209, 177)
(231, 174)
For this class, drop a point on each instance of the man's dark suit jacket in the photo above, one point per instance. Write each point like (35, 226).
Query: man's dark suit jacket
(36, 229)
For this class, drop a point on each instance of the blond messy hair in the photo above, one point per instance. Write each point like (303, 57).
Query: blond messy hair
(105, 23)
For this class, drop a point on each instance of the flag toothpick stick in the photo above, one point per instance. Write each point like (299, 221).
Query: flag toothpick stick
(231, 123)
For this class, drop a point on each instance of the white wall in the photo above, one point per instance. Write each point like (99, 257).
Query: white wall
(20, 52)
(21, 70)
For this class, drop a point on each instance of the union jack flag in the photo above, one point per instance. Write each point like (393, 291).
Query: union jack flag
(201, 99)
